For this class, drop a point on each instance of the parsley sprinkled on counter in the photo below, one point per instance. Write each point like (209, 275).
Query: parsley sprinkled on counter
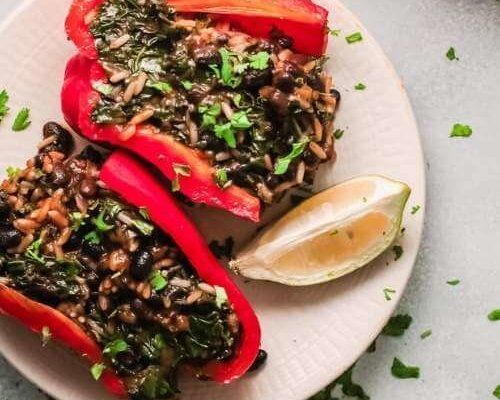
(22, 120)
(353, 38)
(398, 252)
(425, 334)
(450, 54)
(460, 130)
(397, 325)
(360, 86)
(402, 371)
(453, 282)
(494, 315)
(4, 98)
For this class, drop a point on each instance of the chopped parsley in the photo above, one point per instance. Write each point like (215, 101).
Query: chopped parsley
(101, 224)
(220, 296)
(209, 114)
(398, 252)
(402, 371)
(13, 172)
(226, 132)
(450, 54)
(97, 370)
(425, 334)
(179, 170)
(77, 220)
(388, 292)
(496, 392)
(33, 251)
(415, 209)
(157, 281)
(260, 60)
(353, 38)
(163, 87)
(453, 282)
(188, 85)
(104, 88)
(4, 99)
(144, 213)
(334, 32)
(338, 133)
(231, 66)
(494, 315)
(22, 120)
(360, 86)
(460, 130)
(221, 177)
(283, 163)
(239, 120)
(93, 237)
(46, 336)
(335, 232)
(112, 349)
(349, 388)
(397, 325)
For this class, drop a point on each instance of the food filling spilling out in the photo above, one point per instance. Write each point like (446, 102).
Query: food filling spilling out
(261, 114)
(68, 242)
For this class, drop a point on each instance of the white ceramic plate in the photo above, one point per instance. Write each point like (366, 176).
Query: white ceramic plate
(311, 334)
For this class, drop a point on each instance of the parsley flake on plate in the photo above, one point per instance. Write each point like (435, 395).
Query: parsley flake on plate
(415, 209)
(453, 282)
(450, 54)
(398, 252)
(388, 292)
(338, 133)
(353, 38)
(4, 109)
(402, 371)
(397, 325)
(460, 130)
(496, 392)
(157, 281)
(494, 315)
(97, 370)
(360, 86)
(425, 334)
(22, 120)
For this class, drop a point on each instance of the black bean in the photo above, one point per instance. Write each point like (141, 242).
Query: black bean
(206, 55)
(4, 208)
(280, 102)
(74, 242)
(255, 79)
(64, 141)
(59, 176)
(93, 250)
(285, 42)
(336, 94)
(142, 264)
(9, 236)
(127, 359)
(88, 187)
(91, 154)
(284, 81)
(259, 361)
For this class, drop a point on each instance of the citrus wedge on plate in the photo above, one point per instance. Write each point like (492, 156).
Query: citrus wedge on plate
(329, 235)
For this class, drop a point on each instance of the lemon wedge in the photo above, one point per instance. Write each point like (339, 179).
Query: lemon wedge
(329, 235)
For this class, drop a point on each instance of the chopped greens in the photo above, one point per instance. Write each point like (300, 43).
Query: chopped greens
(209, 114)
(104, 88)
(496, 392)
(226, 132)
(13, 172)
(453, 282)
(388, 292)
(22, 120)
(397, 325)
(34, 252)
(239, 120)
(402, 371)
(157, 281)
(163, 87)
(349, 388)
(188, 85)
(425, 334)
(112, 349)
(353, 38)
(460, 130)
(259, 60)
(398, 252)
(360, 86)
(4, 99)
(179, 170)
(283, 163)
(221, 177)
(450, 54)
(97, 370)
(338, 133)
(334, 32)
(494, 315)
(77, 220)
(415, 209)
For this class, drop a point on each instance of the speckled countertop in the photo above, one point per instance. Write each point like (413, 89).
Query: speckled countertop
(460, 360)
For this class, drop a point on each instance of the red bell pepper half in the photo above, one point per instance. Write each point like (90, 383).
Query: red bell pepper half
(133, 182)
(127, 177)
(36, 316)
(79, 100)
(301, 20)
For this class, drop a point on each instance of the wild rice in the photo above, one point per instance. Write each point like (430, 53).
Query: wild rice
(119, 42)
(142, 116)
(316, 149)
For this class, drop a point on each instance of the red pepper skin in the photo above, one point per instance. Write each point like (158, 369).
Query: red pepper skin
(36, 316)
(127, 177)
(301, 20)
(79, 100)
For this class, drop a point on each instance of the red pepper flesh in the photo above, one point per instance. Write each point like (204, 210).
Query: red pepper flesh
(36, 316)
(301, 20)
(78, 102)
(127, 177)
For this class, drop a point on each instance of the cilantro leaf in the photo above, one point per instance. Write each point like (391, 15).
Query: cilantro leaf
(157, 281)
(334, 32)
(188, 85)
(360, 86)
(226, 132)
(450, 54)
(179, 170)
(209, 114)
(112, 349)
(425, 334)
(397, 325)
(453, 282)
(22, 120)
(388, 292)
(239, 120)
(283, 163)
(353, 38)
(13, 172)
(349, 388)
(221, 176)
(163, 87)
(460, 130)
(227, 72)
(33, 251)
(97, 370)
(494, 315)
(100, 222)
(93, 237)
(4, 109)
(260, 60)
(402, 371)
(398, 252)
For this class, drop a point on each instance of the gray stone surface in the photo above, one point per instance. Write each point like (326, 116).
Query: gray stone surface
(461, 240)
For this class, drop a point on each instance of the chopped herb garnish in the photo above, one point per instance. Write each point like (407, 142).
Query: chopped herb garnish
(4, 109)
(46, 336)
(209, 114)
(259, 60)
(496, 392)
(229, 66)
(77, 220)
(163, 87)
(226, 132)
(22, 120)
(112, 349)
(104, 88)
(402, 371)
(93, 237)
(221, 177)
(157, 281)
(33, 251)
(415, 209)
(283, 163)
(144, 213)
(360, 86)
(494, 315)
(397, 325)
(179, 170)
(97, 370)
(239, 120)
(13, 172)
(450, 54)
(100, 223)
(188, 85)
(336, 231)
(353, 38)
(398, 252)
(349, 388)
(460, 130)
(144, 227)
(334, 32)
(453, 282)
(338, 133)
(220, 296)
(365, 199)
(388, 292)
(426, 334)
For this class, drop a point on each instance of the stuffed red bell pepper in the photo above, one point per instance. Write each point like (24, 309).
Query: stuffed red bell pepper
(98, 255)
(230, 118)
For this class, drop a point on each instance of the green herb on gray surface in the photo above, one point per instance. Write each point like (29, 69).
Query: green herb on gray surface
(453, 282)
(494, 315)
(360, 86)
(450, 54)
(460, 130)
(284, 162)
(415, 209)
(496, 392)
(97, 370)
(388, 292)
(353, 38)
(425, 334)
(338, 133)
(22, 120)
(402, 371)
(397, 325)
